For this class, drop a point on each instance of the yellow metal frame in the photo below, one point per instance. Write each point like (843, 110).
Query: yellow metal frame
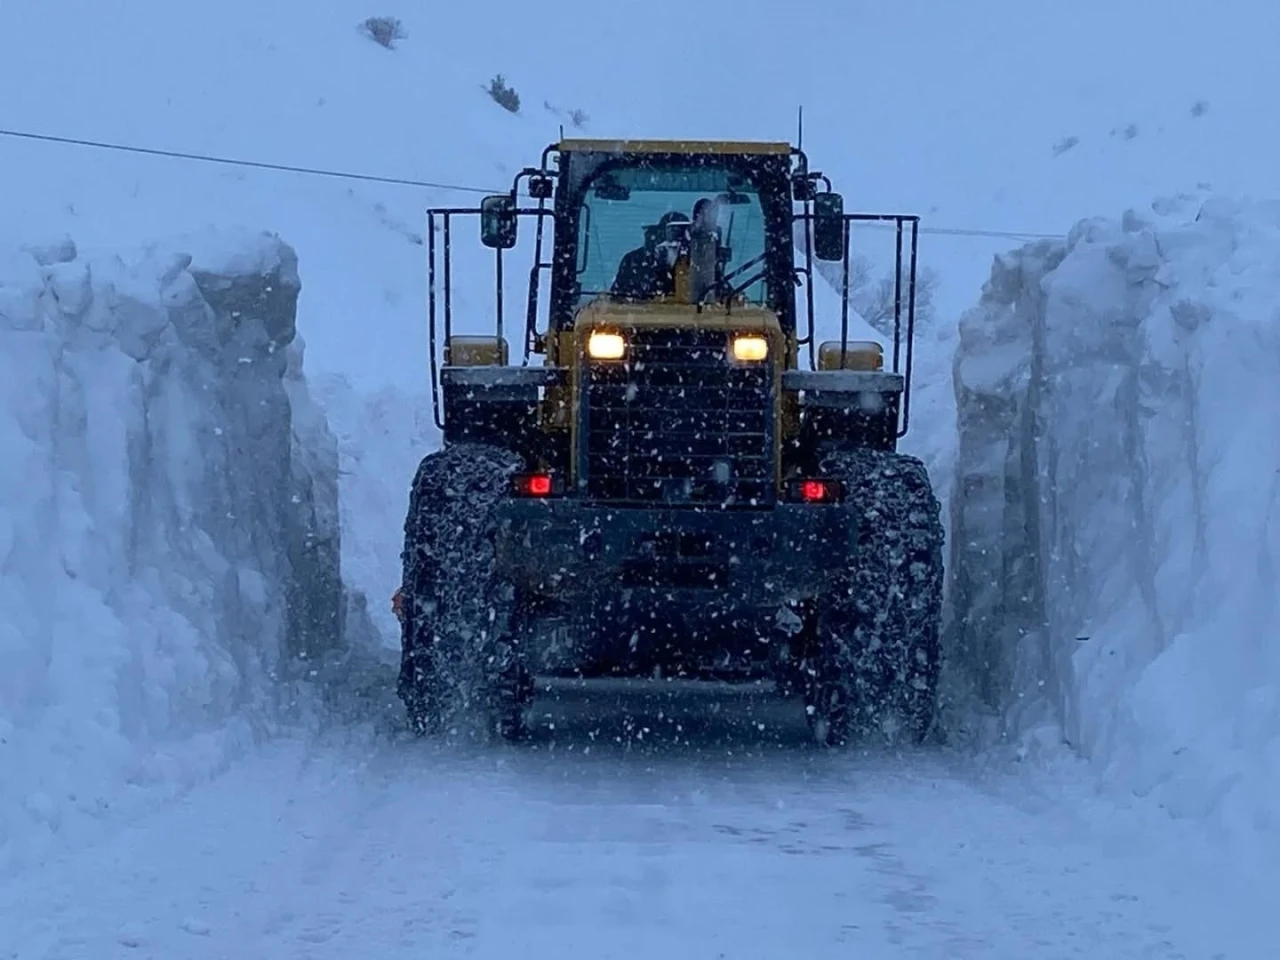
(717, 147)
(857, 355)
(465, 350)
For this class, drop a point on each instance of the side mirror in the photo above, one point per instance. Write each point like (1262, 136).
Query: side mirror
(828, 226)
(498, 222)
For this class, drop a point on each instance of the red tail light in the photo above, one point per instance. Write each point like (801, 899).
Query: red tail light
(815, 491)
(534, 485)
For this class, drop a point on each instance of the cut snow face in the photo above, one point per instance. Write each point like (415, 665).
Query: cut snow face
(1079, 111)
(1117, 510)
(168, 521)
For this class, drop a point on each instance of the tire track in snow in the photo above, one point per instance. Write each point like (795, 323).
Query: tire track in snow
(409, 849)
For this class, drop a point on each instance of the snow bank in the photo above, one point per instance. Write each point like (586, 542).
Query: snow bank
(1116, 517)
(168, 523)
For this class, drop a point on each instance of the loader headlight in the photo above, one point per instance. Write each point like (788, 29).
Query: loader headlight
(750, 349)
(606, 346)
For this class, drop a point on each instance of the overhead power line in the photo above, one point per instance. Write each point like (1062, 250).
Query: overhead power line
(1004, 234)
(231, 162)
(962, 232)
(400, 181)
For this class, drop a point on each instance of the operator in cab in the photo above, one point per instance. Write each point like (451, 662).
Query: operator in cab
(646, 272)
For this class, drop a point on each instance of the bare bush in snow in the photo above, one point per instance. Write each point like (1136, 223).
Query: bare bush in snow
(1065, 144)
(384, 31)
(876, 302)
(503, 95)
(576, 118)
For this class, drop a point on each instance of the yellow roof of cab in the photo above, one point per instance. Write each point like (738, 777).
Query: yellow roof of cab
(675, 146)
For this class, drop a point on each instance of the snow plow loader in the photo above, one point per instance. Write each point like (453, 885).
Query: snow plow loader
(672, 475)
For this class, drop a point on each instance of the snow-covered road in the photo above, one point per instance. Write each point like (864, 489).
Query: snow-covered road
(705, 846)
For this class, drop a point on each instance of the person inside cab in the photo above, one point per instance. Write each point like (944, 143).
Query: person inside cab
(646, 272)
(706, 255)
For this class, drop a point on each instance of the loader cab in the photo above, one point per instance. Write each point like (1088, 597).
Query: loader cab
(711, 222)
(713, 227)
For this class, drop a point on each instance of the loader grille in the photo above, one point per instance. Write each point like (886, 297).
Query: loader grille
(677, 423)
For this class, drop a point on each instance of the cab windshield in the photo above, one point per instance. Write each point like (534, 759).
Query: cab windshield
(638, 220)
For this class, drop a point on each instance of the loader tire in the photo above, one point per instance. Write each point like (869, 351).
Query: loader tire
(456, 610)
(877, 645)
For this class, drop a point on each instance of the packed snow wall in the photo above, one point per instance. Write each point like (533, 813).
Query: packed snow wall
(169, 543)
(1116, 509)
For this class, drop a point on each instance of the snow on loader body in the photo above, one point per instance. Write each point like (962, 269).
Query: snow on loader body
(676, 477)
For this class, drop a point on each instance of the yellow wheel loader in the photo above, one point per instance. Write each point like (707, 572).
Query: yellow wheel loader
(671, 474)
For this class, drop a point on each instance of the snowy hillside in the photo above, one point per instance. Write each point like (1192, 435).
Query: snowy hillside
(1024, 118)
(157, 491)
(1117, 535)
(168, 524)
